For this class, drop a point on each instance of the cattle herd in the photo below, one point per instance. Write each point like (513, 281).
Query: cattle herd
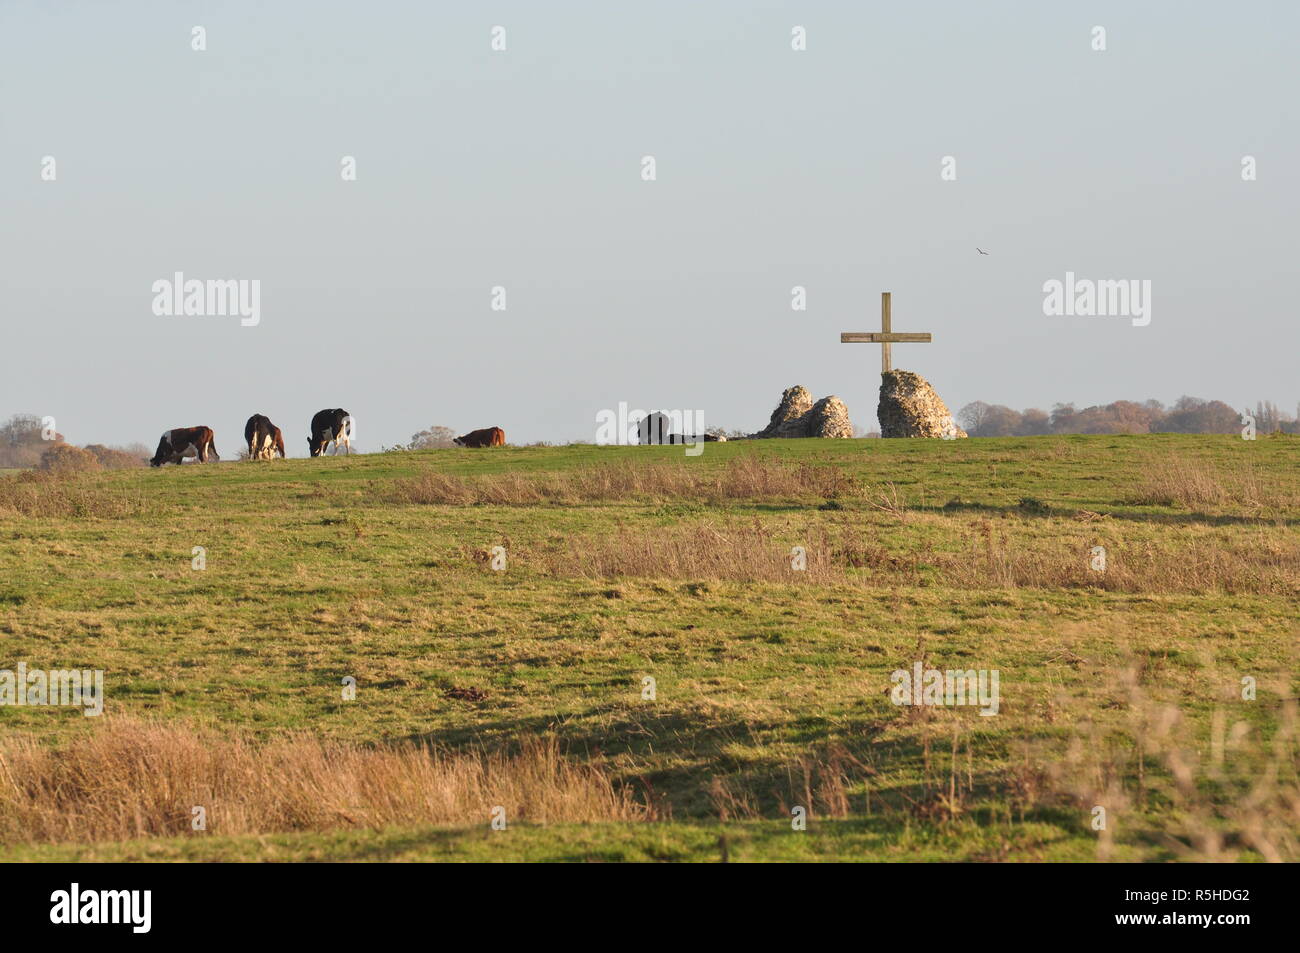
(265, 440)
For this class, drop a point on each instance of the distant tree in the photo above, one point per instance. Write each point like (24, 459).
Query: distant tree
(22, 442)
(1193, 415)
(973, 416)
(999, 421)
(1268, 419)
(1062, 418)
(1131, 417)
(1035, 423)
(1218, 417)
(20, 428)
(434, 437)
(1093, 420)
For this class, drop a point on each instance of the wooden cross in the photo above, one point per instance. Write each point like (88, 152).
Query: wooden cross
(885, 336)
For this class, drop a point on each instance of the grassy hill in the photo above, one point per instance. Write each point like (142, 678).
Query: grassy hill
(522, 687)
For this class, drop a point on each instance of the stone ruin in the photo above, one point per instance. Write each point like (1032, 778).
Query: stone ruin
(798, 416)
(909, 407)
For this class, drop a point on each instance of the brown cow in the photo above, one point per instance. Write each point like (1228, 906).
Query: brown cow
(487, 437)
(176, 445)
(263, 437)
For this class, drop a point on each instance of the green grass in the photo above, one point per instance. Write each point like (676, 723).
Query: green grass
(753, 841)
(313, 574)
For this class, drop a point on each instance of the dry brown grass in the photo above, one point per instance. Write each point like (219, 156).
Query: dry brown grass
(744, 478)
(1244, 560)
(130, 779)
(735, 551)
(1179, 481)
(65, 458)
(55, 493)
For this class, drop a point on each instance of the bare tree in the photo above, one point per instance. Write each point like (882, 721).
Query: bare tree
(435, 436)
(973, 417)
(1035, 423)
(22, 442)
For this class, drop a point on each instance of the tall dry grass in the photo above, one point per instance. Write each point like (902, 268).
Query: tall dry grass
(1253, 560)
(739, 552)
(1176, 480)
(746, 477)
(55, 493)
(1249, 560)
(130, 779)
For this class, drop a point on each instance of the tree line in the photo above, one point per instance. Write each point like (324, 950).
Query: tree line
(24, 444)
(1185, 415)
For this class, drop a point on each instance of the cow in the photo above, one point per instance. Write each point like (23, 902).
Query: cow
(176, 445)
(263, 437)
(330, 426)
(487, 437)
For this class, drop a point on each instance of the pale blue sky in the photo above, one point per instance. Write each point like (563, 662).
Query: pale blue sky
(775, 168)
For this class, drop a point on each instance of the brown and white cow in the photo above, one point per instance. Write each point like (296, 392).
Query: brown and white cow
(263, 437)
(330, 426)
(487, 437)
(176, 445)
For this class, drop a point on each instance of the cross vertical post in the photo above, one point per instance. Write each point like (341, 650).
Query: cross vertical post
(885, 327)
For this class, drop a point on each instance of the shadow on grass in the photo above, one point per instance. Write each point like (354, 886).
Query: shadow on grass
(1046, 511)
(691, 766)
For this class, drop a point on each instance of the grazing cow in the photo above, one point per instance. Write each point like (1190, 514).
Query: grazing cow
(487, 437)
(264, 438)
(176, 445)
(330, 426)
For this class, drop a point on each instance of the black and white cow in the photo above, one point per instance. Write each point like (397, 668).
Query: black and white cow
(330, 426)
(176, 445)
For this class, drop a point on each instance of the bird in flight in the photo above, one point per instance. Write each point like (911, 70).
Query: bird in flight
(981, 251)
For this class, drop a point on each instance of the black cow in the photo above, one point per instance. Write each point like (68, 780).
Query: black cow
(330, 426)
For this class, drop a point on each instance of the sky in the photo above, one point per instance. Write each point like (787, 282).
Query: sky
(522, 169)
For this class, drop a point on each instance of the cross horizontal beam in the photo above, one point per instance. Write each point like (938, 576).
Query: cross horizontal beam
(877, 337)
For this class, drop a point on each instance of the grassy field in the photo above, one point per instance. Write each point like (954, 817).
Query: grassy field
(524, 687)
